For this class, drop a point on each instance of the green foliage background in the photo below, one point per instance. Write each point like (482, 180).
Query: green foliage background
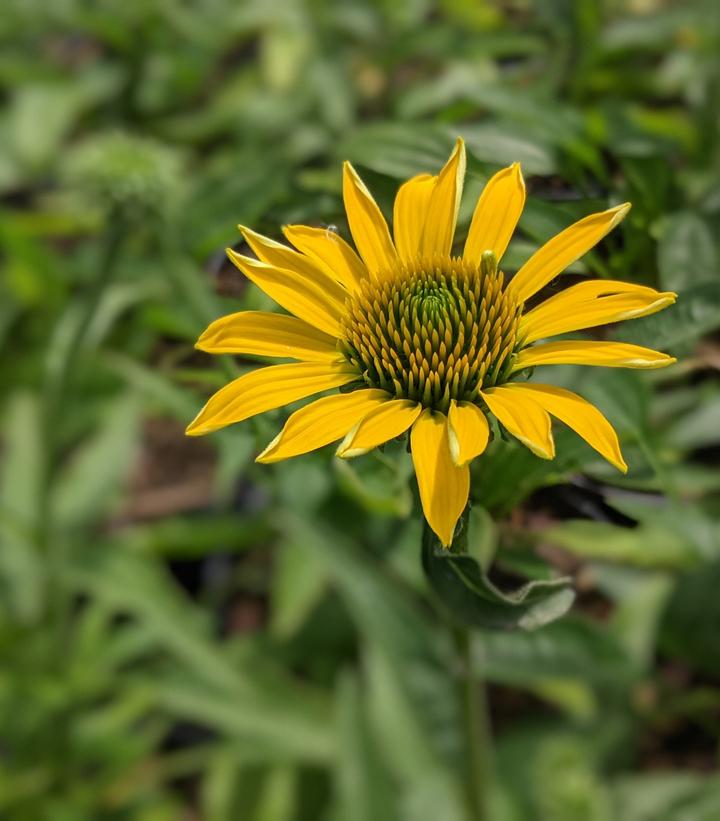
(185, 634)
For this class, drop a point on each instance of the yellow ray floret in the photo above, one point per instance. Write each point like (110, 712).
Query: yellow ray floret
(590, 304)
(265, 334)
(443, 206)
(330, 253)
(297, 293)
(443, 486)
(496, 214)
(321, 422)
(606, 354)
(564, 249)
(410, 213)
(367, 224)
(524, 418)
(468, 432)
(577, 413)
(268, 388)
(379, 426)
(421, 340)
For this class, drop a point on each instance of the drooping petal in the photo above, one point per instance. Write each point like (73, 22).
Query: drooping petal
(266, 334)
(321, 422)
(330, 252)
(496, 214)
(577, 413)
(367, 224)
(267, 388)
(588, 304)
(444, 487)
(439, 230)
(523, 417)
(564, 249)
(380, 425)
(302, 296)
(410, 213)
(606, 354)
(468, 432)
(281, 256)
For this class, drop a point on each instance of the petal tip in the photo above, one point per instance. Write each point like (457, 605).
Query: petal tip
(619, 212)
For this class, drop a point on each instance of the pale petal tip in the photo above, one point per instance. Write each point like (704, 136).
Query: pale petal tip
(619, 212)
(265, 457)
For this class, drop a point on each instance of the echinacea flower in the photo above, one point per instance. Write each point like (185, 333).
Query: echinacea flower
(421, 340)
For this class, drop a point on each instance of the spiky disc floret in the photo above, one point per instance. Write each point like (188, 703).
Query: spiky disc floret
(436, 330)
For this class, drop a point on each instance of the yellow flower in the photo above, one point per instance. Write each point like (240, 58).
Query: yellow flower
(421, 340)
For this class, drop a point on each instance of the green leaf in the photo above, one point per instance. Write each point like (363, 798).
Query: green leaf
(687, 254)
(502, 144)
(572, 648)
(89, 484)
(667, 796)
(471, 598)
(399, 150)
(299, 583)
(647, 545)
(21, 488)
(363, 786)
(689, 624)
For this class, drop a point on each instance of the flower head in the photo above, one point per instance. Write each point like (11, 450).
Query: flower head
(421, 340)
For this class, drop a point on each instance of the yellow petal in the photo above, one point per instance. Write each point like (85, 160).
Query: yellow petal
(330, 252)
(468, 432)
(280, 256)
(563, 249)
(409, 214)
(524, 418)
(496, 214)
(444, 487)
(577, 413)
(267, 388)
(588, 304)
(437, 236)
(321, 422)
(266, 334)
(379, 426)
(606, 354)
(304, 297)
(367, 224)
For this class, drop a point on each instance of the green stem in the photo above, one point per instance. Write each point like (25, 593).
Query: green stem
(476, 731)
(472, 696)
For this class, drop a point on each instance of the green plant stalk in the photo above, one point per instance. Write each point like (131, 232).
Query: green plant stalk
(476, 731)
(473, 700)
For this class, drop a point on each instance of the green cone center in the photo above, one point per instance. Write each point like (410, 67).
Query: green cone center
(437, 330)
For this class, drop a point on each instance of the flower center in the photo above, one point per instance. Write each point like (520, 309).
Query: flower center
(436, 330)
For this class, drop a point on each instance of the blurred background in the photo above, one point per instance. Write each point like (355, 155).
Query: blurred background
(187, 635)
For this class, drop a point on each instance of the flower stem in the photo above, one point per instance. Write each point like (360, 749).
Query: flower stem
(471, 694)
(476, 730)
